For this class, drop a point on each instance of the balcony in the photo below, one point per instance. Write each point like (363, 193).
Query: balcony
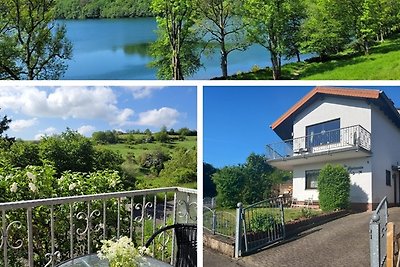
(344, 143)
(45, 232)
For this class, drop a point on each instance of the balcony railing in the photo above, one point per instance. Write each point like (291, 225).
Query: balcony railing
(349, 137)
(45, 232)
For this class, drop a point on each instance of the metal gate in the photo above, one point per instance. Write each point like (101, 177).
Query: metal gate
(378, 234)
(259, 225)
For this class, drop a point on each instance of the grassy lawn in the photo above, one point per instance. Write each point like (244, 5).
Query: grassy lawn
(139, 149)
(383, 63)
(144, 179)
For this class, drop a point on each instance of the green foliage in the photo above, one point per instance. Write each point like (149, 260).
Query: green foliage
(162, 136)
(105, 137)
(107, 159)
(175, 52)
(5, 141)
(267, 25)
(32, 45)
(209, 188)
(258, 184)
(68, 151)
(247, 183)
(153, 161)
(229, 182)
(22, 154)
(262, 222)
(221, 20)
(333, 188)
(182, 167)
(77, 9)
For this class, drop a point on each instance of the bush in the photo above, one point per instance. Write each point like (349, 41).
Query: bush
(229, 182)
(334, 188)
(262, 222)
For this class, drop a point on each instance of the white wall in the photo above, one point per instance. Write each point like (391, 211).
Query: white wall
(350, 111)
(385, 142)
(361, 185)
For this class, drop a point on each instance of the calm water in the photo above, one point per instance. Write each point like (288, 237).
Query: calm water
(116, 49)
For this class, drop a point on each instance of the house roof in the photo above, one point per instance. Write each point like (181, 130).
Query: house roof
(283, 126)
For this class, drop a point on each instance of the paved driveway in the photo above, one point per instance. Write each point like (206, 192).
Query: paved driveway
(343, 242)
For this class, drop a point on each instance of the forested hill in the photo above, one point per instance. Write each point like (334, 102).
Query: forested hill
(83, 9)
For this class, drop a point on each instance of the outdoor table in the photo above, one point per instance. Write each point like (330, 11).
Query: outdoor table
(92, 260)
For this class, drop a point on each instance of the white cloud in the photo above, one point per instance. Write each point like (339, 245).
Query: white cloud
(159, 117)
(47, 131)
(86, 130)
(143, 92)
(65, 102)
(19, 125)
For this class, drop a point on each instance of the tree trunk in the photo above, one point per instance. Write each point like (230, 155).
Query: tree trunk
(366, 47)
(276, 66)
(298, 56)
(176, 66)
(224, 61)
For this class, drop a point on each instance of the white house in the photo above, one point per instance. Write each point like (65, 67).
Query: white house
(357, 128)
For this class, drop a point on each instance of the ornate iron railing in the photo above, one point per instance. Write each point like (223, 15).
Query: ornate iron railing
(378, 234)
(349, 137)
(44, 232)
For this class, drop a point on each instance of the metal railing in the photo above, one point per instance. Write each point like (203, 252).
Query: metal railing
(219, 222)
(378, 234)
(45, 232)
(259, 225)
(352, 136)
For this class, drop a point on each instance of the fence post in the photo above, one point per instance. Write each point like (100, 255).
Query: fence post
(390, 245)
(238, 232)
(375, 240)
(214, 221)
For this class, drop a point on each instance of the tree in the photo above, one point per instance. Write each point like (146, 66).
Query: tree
(257, 185)
(104, 159)
(175, 50)
(182, 167)
(67, 151)
(229, 182)
(22, 154)
(6, 141)
(221, 20)
(333, 188)
(209, 188)
(327, 28)
(266, 24)
(292, 34)
(32, 44)
(154, 161)
(162, 136)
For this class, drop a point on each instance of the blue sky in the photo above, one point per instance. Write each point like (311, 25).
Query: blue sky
(39, 110)
(237, 119)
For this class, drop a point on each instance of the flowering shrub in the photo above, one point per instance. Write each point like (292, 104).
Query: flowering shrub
(122, 253)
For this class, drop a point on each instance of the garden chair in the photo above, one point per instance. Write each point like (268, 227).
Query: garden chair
(186, 241)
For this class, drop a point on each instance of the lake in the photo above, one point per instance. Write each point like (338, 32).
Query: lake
(115, 49)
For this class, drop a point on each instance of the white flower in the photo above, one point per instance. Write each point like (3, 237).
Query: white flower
(31, 176)
(72, 186)
(62, 178)
(32, 187)
(14, 187)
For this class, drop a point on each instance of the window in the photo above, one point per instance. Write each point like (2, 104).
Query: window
(312, 179)
(388, 180)
(323, 133)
